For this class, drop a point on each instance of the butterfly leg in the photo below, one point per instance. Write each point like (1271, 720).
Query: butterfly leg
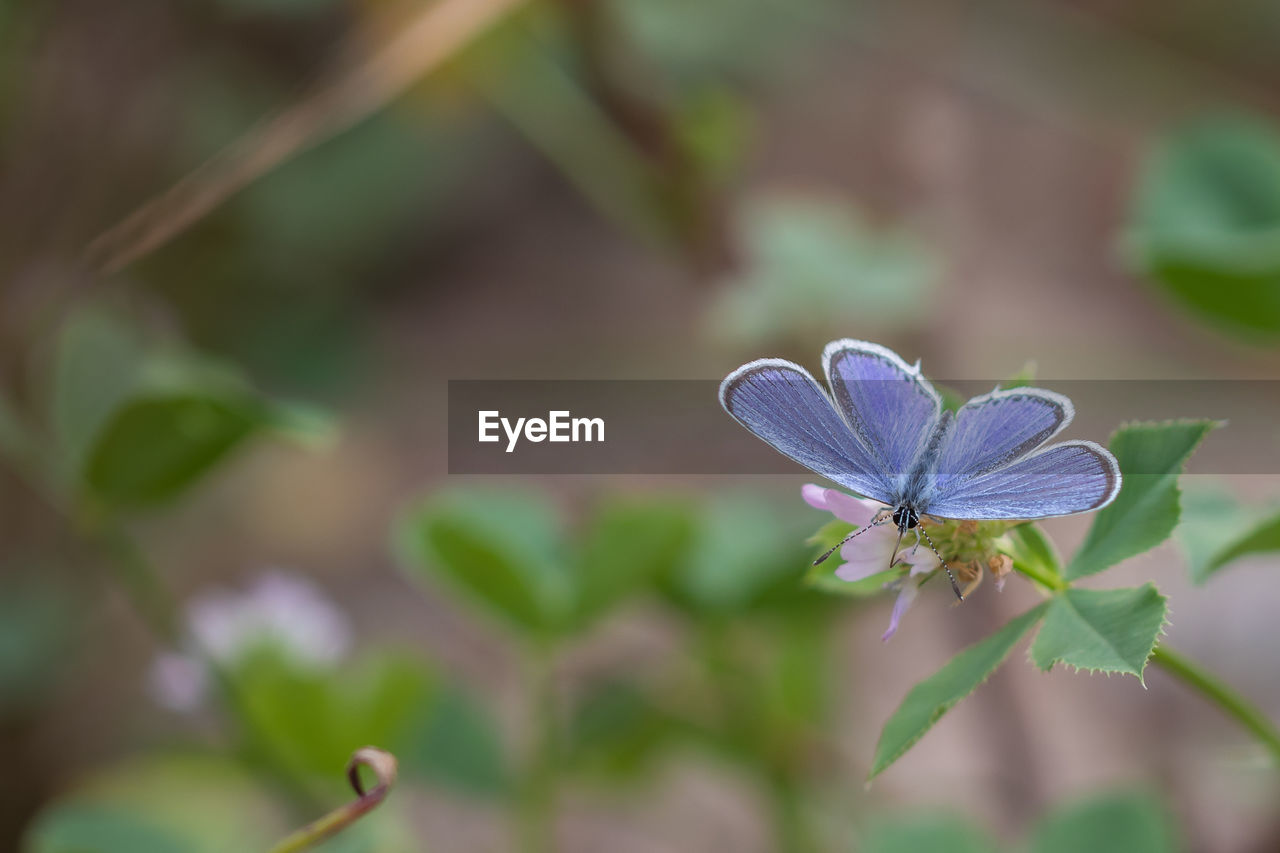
(955, 587)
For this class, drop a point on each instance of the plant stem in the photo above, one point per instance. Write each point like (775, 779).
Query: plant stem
(1054, 583)
(792, 828)
(1244, 712)
(538, 791)
(383, 765)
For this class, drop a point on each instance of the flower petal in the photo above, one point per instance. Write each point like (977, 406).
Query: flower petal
(860, 570)
(905, 596)
(847, 508)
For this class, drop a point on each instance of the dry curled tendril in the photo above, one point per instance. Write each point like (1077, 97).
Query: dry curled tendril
(383, 765)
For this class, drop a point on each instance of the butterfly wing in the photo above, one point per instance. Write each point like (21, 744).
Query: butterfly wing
(890, 406)
(781, 403)
(1064, 478)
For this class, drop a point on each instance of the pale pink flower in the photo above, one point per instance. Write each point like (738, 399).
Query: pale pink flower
(286, 612)
(869, 553)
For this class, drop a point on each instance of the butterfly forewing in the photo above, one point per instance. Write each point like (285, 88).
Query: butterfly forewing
(781, 403)
(891, 407)
(991, 431)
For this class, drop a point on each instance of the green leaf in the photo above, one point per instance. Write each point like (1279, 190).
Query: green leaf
(155, 447)
(312, 719)
(744, 550)
(455, 742)
(626, 546)
(135, 425)
(100, 829)
(1101, 630)
(309, 425)
(1262, 538)
(1211, 520)
(1218, 530)
(502, 550)
(1110, 823)
(97, 363)
(926, 832)
(933, 697)
(811, 263)
(1206, 223)
(1151, 456)
(617, 731)
(162, 804)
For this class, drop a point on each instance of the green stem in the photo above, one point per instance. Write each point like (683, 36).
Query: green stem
(1235, 705)
(1049, 580)
(789, 816)
(383, 765)
(1052, 582)
(538, 790)
(140, 581)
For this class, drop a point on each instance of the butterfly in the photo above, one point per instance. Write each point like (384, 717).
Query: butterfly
(882, 432)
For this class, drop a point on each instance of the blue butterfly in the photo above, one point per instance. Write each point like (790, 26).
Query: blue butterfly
(882, 433)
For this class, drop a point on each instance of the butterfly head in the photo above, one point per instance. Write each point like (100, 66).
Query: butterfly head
(905, 518)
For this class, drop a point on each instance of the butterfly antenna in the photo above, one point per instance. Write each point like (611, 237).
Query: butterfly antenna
(823, 558)
(954, 586)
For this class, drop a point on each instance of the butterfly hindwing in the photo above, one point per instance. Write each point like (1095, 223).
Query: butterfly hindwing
(1064, 478)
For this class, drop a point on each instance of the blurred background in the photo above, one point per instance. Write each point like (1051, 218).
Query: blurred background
(245, 243)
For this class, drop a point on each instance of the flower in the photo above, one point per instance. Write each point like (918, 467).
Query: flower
(283, 611)
(869, 553)
(287, 611)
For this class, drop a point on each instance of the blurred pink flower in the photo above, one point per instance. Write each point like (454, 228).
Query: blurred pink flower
(286, 612)
(869, 553)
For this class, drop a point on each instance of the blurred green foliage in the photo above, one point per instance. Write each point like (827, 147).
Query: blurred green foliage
(1205, 223)
(750, 682)
(310, 720)
(811, 264)
(722, 39)
(1219, 530)
(1128, 822)
(191, 803)
(1109, 822)
(38, 626)
(135, 423)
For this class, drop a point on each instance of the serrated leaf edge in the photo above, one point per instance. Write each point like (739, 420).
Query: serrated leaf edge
(942, 710)
(1165, 622)
(1210, 423)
